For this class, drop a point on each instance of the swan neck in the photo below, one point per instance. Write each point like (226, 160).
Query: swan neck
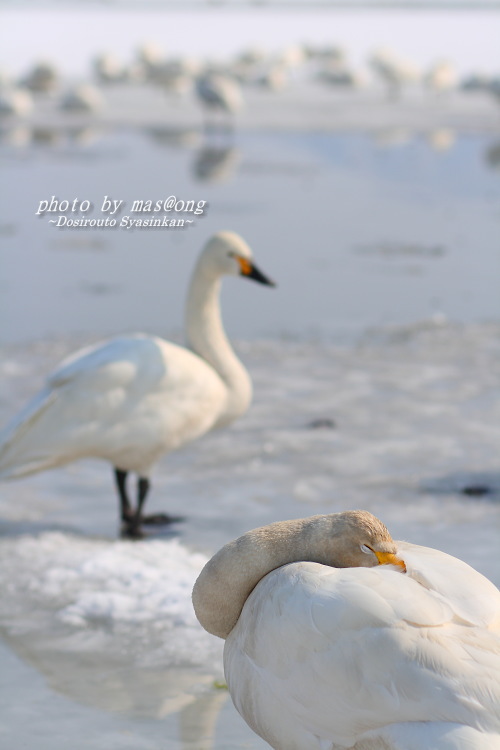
(230, 576)
(206, 336)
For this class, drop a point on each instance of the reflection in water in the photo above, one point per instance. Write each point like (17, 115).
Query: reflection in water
(85, 136)
(80, 243)
(7, 230)
(99, 288)
(92, 679)
(216, 163)
(185, 137)
(441, 139)
(492, 156)
(110, 626)
(353, 191)
(198, 719)
(17, 136)
(395, 249)
(46, 136)
(390, 137)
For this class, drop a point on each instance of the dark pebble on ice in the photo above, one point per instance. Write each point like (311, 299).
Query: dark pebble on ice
(476, 490)
(322, 424)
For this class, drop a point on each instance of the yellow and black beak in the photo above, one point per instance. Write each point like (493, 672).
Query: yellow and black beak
(250, 270)
(388, 558)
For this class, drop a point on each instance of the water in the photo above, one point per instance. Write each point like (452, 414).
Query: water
(99, 633)
(357, 234)
(375, 365)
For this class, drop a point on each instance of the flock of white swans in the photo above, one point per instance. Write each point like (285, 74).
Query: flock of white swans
(221, 85)
(337, 636)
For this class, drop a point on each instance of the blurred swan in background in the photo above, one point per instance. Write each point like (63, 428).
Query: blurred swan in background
(441, 78)
(108, 68)
(394, 72)
(150, 56)
(214, 163)
(219, 93)
(339, 637)
(43, 78)
(15, 102)
(131, 399)
(176, 75)
(82, 98)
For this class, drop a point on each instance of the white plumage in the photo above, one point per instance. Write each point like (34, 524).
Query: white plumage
(42, 78)
(394, 72)
(82, 98)
(219, 92)
(365, 658)
(15, 102)
(108, 69)
(131, 399)
(441, 78)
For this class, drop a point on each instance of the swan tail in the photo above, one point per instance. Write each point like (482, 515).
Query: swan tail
(20, 454)
(438, 736)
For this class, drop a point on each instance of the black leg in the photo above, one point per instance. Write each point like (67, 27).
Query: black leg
(134, 520)
(142, 491)
(121, 483)
(156, 519)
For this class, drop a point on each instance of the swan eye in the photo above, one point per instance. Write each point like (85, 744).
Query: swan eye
(367, 550)
(246, 267)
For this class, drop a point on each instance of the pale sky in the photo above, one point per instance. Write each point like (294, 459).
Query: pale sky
(71, 37)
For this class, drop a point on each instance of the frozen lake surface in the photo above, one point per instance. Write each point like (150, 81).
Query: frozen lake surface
(375, 365)
(100, 641)
(359, 230)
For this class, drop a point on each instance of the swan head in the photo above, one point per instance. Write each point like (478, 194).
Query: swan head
(351, 539)
(359, 539)
(227, 254)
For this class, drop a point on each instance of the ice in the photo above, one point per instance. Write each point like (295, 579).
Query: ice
(411, 419)
(376, 380)
(133, 594)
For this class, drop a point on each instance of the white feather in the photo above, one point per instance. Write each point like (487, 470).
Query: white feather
(131, 399)
(365, 658)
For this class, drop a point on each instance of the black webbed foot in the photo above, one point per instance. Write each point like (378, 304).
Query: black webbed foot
(133, 519)
(160, 519)
(131, 530)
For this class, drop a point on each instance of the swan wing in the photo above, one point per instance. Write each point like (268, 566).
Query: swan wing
(127, 400)
(115, 360)
(325, 658)
(474, 598)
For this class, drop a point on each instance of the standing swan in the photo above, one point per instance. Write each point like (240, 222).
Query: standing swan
(337, 637)
(131, 399)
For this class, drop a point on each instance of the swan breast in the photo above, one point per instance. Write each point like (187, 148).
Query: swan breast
(323, 657)
(128, 400)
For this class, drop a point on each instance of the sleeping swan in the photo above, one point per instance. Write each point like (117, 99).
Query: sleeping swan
(131, 399)
(339, 637)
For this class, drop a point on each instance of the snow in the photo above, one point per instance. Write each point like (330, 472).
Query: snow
(109, 623)
(375, 366)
